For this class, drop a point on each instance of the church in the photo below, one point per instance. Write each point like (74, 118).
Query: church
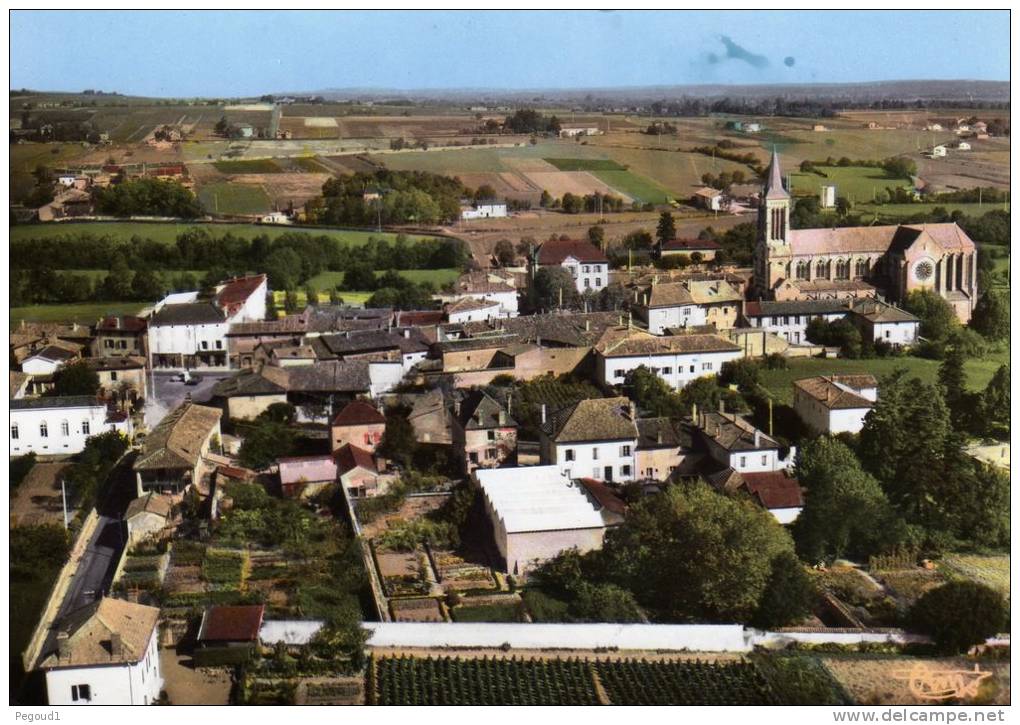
(858, 262)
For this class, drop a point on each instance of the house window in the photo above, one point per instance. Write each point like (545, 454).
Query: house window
(587, 282)
(620, 374)
(492, 435)
(624, 470)
(706, 366)
(687, 311)
(122, 344)
(113, 376)
(108, 343)
(44, 430)
(368, 439)
(85, 427)
(598, 281)
(743, 461)
(587, 269)
(219, 344)
(596, 473)
(594, 454)
(65, 428)
(624, 450)
(205, 344)
(692, 368)
(473, 457)
(569, 454)
(490, 454)
(886, 334)
(14, 432)
(81, 692)
(764, 460)
(667, 371)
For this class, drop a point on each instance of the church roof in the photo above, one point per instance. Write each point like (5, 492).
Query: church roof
(774, 182)
(841, 240)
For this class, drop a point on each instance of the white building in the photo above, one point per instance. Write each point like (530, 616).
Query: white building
(484, 210)
(186, 333)
(107, 654)
(790, 319)
(835, 403)
(880, 321)
(708, 198)
(734, 442)
(574, 131)
(276, 217)
(668, 305)
(587, 264)
(537, 513)
(50, 426)
(47, 360)
(473, 309)
(963, 146)
(938, 151)
(485, 286)
(827, 196)
(594, 438)
(677, 359)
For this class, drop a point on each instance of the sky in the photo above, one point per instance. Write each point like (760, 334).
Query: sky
(242, 53)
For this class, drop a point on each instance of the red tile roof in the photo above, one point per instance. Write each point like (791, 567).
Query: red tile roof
(419, 317)
(235, 292)
(358, 412)
(349, 457)
(555, 251)
(232, 624)
(774, 490)
(605, 496)
(127, 323)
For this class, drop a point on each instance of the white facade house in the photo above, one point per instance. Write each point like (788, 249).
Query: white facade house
(835, 403)
(668, 305)
(827, 196)
(47, 360)
(963, 146)
(587, 264)
(790, 319)
(880, 321)
(938, 151)
(107, 654)
(574, 131)
(677, 359)
(484, 210)
(595, 438)
(474, 309)
(710, 199)
(537, 513)
(276, 217)
(734, 442)
(51, 426)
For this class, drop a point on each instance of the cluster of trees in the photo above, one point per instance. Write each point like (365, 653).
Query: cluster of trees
(896, 167)
(737, 243)
(88, 478)
(724, 180)
(417, 197)
(53, 127)
(589, 203)
(147, 197)
(724, 150)
(816, 106)
(527, 120)
(554, 288)
(658, 128)
(690, 554)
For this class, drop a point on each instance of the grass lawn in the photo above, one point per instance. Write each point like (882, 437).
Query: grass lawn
(634, 186)
(354, 298)
(857, 183)
(310, 164)
(780, 382)
(227, 198)
(990, 570)
(248, 166)
(167, 231)
(586, 165)
(486, 613)
(86, 313)
(438, 277)
(905, 210)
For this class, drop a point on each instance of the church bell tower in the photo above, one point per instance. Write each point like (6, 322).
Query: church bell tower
(773, 227)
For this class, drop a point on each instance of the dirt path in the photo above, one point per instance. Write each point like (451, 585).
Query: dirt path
(186, 685)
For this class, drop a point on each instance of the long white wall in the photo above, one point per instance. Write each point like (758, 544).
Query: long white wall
(676, 369)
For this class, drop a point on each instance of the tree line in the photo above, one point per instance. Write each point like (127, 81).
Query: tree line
(388, 197)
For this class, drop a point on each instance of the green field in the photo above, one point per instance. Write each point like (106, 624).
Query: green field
(586, 164)
(227, 198)
(85, 313)
(905, 210)
(167, 231)
(780, 382)
(310, 164)
(634, 186)
(438, 277)
(248, 166)
(26, 157)
(857, 183)
(354, 299)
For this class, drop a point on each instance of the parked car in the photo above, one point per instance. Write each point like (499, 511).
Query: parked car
(193, 380)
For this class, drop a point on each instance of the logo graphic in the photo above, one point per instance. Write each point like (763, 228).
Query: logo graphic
(928, 683)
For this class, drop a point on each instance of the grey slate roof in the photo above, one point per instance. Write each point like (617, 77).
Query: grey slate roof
(593, 419)
(190, 313)
(55, 402)
(479, 411)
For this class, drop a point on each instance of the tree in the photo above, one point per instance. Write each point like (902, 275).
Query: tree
(639, 239)
(666, 229)
(788, 596)
(75, 378)
(694, 554)
(571, 203)
(485, 192)
(744, 373)
(279, 413)
(265, 442)
(504, 253)
(938, 319)
(20, 466)
(551, 288)
(398, 441)
(959, 615)
(953, 381)
(991, 315)
(995, 412)
(597, 236)
(284, 267)
(359, 277)
(845, 513)
(146, 285)
(653, 395)
(704, 393)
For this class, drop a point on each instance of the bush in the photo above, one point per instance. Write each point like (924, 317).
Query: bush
(223, 656)
(959, 615)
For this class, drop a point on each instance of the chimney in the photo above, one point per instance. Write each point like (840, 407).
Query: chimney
(456, 407)
(587, 325)
(116, 323)
(407, 333)
(757, 438)
(116, 644)
(63, 644)
(502, 417)
(658, 436)
(543, 413)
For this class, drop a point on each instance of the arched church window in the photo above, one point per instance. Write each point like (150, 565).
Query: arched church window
(822, 270)
(843, 269)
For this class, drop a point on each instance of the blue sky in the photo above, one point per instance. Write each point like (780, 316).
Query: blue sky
(195, 53)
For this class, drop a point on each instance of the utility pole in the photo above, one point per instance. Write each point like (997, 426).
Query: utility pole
(63, 496)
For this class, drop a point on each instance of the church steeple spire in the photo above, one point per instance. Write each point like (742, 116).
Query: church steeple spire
(774, 179)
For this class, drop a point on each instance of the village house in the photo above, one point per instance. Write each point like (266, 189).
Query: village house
(880, 321)
(406, 346)
(147, 517)
(484, 210)
(709, 198)
(60, 425)
(835, 403)
(667, 305)
(707, 248)
(120, 378)
(360, 473)
(243, 338)
(587, 264)
(431, 419)
(19, 384)
(661, 449)
(50, 358)
(721, 300)
(119, 335)
(249, 393)
(358, 423)
(484, 434)
(733, 442)
(484, 285)
(790, 319)
(778, 492)
(594, 438)
(677, 359)
(537, 513)
(229, 627)
(306, 476)
(107, 654)
(174, 454)
(472, 309)
(285, 353)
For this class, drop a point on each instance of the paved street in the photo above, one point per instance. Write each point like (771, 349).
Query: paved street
(170, 393)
